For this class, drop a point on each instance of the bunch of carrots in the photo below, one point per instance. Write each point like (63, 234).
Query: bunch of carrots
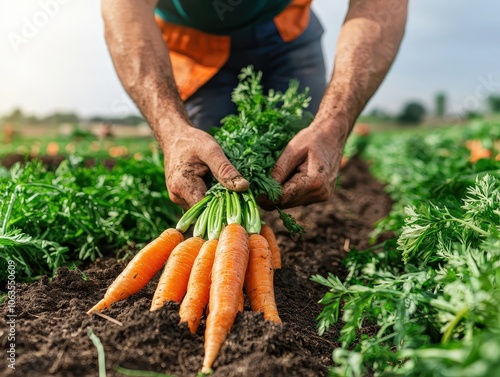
(238, 252)
(231, 250)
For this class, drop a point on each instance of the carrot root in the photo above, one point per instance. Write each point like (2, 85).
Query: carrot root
(198, 289)
(241, 303)
(141, 269)
(267, 232)
(259, 279)
(174, 279)
(228, 272)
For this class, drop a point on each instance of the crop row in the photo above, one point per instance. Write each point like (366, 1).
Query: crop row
(432, 291)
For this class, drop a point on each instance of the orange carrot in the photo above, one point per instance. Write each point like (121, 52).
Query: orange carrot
(198, 289)
(477, 150)
(174, 279)
(141, 269)
(241, 302)
(267, 232)
(259, 276)
(228, 274)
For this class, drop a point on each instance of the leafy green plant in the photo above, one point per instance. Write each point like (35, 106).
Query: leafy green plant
(253, 139)
(432, 293)
(432, 166)
(75, 213)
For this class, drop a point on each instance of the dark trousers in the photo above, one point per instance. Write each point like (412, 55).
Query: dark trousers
(262, 47)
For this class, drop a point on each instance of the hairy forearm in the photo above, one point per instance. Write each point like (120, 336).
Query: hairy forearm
(367, 45)
(142, 62)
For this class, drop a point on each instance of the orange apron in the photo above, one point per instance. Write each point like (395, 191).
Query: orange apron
(197, 56)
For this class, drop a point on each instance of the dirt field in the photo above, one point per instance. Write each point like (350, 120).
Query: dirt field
(52, 325)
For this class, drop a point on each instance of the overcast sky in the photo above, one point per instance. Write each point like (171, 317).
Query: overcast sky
(62, 62)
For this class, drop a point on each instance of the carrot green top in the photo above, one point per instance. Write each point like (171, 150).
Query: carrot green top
(219, 16)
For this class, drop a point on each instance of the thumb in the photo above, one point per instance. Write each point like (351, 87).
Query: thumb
(286, 164)
(226, 173)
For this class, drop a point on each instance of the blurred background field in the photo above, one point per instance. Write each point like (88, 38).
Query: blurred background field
(25, 136)
(99, 139)
(59, 91)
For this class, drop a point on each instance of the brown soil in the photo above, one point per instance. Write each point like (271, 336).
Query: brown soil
(51, 324)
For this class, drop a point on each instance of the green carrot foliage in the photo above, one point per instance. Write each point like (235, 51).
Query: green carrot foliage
(253, 139)
(50, 219)
(433, 292)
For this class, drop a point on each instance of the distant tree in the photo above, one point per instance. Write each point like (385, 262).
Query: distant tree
(380, 114)
(494, 103)
(32, 119)
(440, 102)
(58, 118)
(16, 116)
(131, 120)
(473, 115)
(97, 119)
(412, 113)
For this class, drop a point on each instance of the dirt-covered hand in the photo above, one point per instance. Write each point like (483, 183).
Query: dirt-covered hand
(190, 156)
(308, 167)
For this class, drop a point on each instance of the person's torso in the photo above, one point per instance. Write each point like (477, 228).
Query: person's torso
(219, 16)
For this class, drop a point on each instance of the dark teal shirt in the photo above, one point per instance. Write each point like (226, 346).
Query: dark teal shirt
(219, 16)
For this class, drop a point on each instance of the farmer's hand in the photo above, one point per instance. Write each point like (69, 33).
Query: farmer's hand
(190, 155)
(365, 50)
(309, 165)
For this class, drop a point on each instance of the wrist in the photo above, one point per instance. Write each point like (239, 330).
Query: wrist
(333, 123)
(169, 128)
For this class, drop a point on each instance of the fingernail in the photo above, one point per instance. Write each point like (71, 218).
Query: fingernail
(240, 182)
